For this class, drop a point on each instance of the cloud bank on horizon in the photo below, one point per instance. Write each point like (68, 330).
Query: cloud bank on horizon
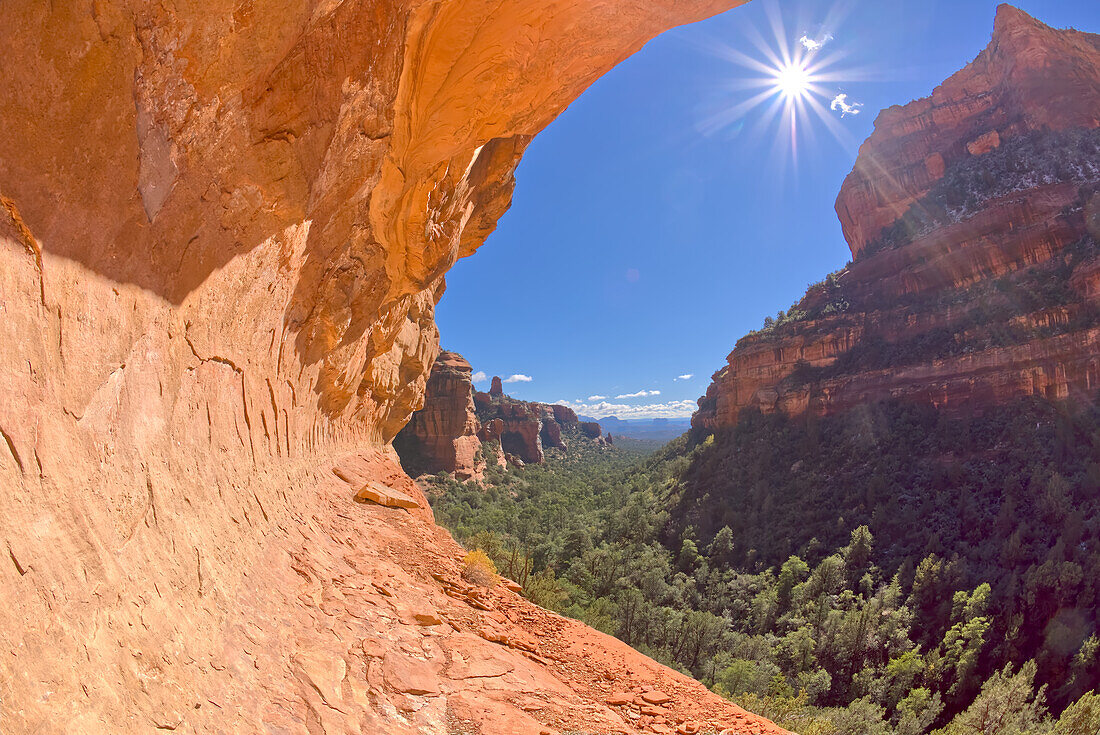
(603, 409)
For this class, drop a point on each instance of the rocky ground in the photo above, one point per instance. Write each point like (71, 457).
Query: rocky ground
(364, 609)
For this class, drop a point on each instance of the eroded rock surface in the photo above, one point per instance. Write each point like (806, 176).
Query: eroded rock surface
(1030, 77)
(525, 429)
(223, 228)
(975, 261)
(462, 431)
(443, 435)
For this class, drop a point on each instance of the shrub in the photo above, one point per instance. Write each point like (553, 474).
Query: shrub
(479, 568)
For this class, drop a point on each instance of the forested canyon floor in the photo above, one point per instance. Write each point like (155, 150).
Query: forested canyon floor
(889, 570)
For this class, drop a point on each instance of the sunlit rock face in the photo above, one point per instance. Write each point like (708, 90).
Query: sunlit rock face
(525, 429)
(975, 267)
(443, 435)
(450, 432)
(1030, 77)
(224, 226)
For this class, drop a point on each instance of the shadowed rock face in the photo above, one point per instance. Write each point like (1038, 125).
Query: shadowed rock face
(224, 228)
(976, 263)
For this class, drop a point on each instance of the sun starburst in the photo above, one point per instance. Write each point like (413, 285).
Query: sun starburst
(791, 86)
(793, 80)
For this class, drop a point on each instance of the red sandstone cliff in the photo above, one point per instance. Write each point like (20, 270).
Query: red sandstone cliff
(224, 228)
(456, 426)
(971, 216)
(1030, 77)
(527, 427)
(443, 435)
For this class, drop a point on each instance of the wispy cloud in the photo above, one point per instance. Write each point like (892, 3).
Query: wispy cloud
(479, 377)
(603, 409)
(597, 398)
(814, 44)
(639, 394)
(841, 104)
(518, 378)
(685, 376)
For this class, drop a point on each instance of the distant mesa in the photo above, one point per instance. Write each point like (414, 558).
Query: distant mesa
(975, 276)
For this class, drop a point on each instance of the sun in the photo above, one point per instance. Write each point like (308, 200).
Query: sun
(794, 86)
(793, 80)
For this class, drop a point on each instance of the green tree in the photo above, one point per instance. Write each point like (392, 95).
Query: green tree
(964, 641)
(689, 557)
(857, 554)
(792, 573)
(544, 590)
(899, 678)
(741, 676)
(1080, 718)
(861, 717)
(1007, 705)
(917, 711)
(721, 548)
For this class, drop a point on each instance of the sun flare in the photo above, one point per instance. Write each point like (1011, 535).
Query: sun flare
(793, 80)
(793, 87)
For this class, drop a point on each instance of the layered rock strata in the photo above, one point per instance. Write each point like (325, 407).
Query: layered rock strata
(224, 227)
(460, 431)
(971, 217)
(527, 428)
(443, 436)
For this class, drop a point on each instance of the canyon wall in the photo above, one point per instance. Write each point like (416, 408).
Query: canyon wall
(224, 227)
(526, 428)
(972, 220)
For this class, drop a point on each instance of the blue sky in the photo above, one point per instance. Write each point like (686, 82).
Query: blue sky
(655, 221)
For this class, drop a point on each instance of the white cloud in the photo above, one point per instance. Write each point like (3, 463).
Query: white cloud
(597, 398)
(518, 378)
(639, 394)
(479, 377)
(685, 376)
(814, 44)
(841, 104)
(603, 409)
